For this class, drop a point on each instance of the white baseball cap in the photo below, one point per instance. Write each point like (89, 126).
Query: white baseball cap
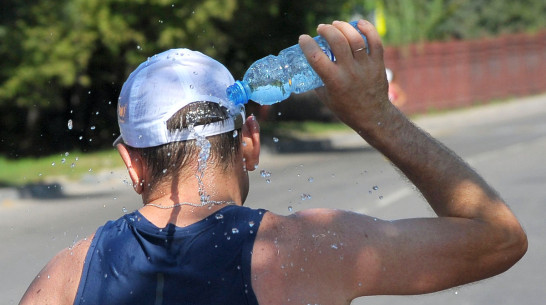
(164, 84)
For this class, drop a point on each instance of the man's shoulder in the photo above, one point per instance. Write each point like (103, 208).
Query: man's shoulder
(290, 227)
(58, 281)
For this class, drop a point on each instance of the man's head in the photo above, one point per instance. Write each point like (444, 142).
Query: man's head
(170, 103)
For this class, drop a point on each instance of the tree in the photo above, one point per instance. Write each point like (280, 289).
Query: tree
(66, 60)
(70, 59)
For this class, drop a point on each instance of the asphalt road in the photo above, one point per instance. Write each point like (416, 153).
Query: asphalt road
(506, 143)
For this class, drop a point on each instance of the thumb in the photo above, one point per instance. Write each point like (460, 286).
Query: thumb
(316, 57)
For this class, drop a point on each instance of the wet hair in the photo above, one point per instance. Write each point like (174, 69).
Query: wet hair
(166, 160)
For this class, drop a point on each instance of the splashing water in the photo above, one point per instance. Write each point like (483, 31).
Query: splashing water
(204, 154)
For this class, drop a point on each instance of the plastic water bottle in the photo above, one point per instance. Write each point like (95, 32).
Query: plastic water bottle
(273, 78)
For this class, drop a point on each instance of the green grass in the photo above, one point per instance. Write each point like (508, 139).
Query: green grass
(75, 165)
(71, 166)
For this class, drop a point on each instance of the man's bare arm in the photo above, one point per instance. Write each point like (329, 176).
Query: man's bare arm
(475, 236)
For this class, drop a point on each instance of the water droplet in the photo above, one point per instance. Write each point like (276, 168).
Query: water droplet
(48, 276)
(139, 47)
(279, 113)
(289, 208)
(105, 275)
(359, 284)
(275, 139)
(80, 138)
(72, 165)
(219, 216)
(235, 231)
(380, 197)
(92, 127)
(52, 163)
(63, 160)
(124, 210)
(164, 170)
(375, 187)
(334, 246)
(311, 179)
(195, 73)
(265, 174)
(97, 113)
(235, 133)
(66, 154)
(70, 125)
(251, 223)
(191, 86)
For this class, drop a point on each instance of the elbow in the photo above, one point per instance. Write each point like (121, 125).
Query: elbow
(520, 244)
(514, 246)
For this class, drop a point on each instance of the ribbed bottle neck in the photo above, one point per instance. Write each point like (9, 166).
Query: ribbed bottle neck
(237, 93)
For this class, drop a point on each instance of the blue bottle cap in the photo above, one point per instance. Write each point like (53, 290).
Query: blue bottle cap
(237, 93)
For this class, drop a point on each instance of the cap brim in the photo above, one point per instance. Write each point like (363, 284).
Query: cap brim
(119, 140)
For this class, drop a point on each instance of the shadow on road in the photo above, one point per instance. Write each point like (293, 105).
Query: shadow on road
(49, 191)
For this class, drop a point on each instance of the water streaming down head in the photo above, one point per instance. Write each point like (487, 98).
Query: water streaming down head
(164, 85)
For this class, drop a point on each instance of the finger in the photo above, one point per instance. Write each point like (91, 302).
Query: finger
(337, 41)
(319, 61)
(374, 40)
(356, 41)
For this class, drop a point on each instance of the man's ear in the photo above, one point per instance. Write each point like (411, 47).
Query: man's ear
(251, 143)
(134, 165)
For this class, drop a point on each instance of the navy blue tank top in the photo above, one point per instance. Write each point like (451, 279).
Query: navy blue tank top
(131, 261)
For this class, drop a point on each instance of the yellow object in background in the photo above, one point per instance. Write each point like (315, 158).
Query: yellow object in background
(380, 23)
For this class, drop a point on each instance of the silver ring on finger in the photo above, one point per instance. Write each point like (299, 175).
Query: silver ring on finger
(359, 49)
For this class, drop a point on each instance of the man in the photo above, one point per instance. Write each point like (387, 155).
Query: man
(188, 150)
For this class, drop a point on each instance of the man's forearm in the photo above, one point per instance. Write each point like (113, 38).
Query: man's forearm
(450, 186)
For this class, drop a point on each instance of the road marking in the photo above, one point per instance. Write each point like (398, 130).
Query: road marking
(403, 192)
(387, 200)
(511, 149)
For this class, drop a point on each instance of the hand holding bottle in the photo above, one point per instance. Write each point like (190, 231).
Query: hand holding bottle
(272, 79)
(356, 88)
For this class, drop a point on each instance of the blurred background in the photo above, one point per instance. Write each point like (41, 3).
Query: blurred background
(63, 62)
